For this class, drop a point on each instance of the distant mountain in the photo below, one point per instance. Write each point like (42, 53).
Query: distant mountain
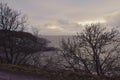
(55, 39)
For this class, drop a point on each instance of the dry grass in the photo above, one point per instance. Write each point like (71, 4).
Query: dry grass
(54, 75)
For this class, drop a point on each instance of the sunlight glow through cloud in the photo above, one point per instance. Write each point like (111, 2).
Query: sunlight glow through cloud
(54, 27)
(83, 23)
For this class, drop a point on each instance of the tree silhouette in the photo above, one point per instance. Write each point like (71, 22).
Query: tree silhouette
(95, 50)
(15, 44)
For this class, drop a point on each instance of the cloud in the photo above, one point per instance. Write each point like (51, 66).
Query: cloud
(62, 16)
(60, 27)
(54, 27)
(71, 26)
(51, 29)
(113, 19)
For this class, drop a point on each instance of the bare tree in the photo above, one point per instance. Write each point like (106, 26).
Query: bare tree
(96, 49)
(16, 45)
(50, 59)
(74, 58)
(10, 19)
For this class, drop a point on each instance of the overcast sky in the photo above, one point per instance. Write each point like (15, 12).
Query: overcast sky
(58, 17)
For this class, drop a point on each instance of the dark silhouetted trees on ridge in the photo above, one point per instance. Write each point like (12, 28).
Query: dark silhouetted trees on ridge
(15, 44)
